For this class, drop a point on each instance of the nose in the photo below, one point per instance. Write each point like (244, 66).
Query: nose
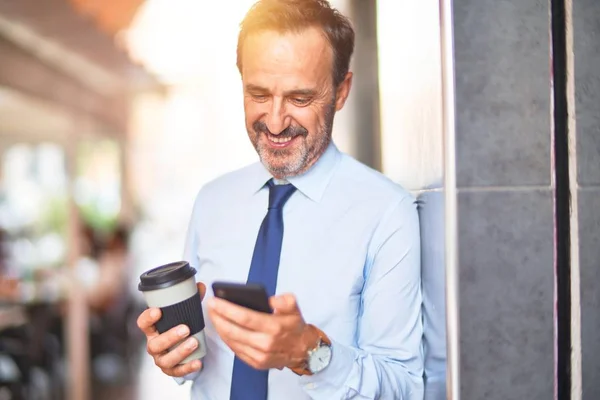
(277, 119)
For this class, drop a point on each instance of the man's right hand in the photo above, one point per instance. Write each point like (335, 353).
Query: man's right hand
(158, 345)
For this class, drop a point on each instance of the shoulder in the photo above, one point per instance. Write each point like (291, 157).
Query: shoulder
(369, 184)
(228, 186)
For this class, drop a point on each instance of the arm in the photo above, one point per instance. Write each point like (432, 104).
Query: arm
(387, 362)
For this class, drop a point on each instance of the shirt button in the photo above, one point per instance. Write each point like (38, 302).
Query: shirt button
(310, 386)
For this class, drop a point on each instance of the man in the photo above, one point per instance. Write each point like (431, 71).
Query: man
(347, 303)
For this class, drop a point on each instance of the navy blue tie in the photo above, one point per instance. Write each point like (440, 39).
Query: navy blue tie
(248, 383)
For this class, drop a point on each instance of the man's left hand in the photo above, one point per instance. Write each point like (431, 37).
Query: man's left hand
(264, 341)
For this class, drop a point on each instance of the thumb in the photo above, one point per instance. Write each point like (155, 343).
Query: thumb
(201, 289)
(284, 304)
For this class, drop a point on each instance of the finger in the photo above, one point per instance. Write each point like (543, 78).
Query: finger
(184, 369)
(147, 320)
(284, 304)
(163, 342)
(177, 355)
(231, 332)
(201, 289)
(251, 356)
(242, 316)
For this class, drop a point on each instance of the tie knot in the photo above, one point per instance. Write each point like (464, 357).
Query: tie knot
(279, 194)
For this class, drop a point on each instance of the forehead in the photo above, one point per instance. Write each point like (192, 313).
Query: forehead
(292, 60)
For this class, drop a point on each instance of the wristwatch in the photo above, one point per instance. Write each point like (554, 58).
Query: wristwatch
(318, 358)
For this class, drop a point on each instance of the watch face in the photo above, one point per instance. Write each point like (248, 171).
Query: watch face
(319, 359)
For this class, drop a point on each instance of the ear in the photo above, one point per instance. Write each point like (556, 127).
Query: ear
(343, 90)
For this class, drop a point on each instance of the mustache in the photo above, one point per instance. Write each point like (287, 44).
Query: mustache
(290, 131)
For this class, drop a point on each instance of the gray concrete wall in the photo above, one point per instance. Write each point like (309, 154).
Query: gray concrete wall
(505, 211)
(586, 41)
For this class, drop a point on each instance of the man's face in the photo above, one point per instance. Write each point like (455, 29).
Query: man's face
(289, 98)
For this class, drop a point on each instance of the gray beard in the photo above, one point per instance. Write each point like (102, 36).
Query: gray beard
(301, 160)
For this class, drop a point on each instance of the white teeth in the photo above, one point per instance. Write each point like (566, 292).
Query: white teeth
(279, 140)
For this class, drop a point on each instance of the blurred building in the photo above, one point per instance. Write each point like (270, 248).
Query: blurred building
(66, 85)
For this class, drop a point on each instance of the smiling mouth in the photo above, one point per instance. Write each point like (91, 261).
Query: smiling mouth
(279, 140)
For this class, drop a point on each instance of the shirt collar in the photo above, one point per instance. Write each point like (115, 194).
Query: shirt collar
(314, 181)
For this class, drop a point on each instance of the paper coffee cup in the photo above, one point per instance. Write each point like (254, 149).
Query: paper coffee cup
(172, 288)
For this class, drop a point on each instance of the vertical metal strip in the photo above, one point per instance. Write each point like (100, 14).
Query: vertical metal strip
(450, 193)
(562, 201)
(576, 367)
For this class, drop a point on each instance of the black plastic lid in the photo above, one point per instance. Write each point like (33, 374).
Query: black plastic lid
(165, 276)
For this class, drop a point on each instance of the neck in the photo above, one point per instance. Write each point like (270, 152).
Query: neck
(280, 181)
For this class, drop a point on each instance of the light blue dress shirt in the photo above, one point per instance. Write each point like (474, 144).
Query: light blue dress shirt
(350, 255)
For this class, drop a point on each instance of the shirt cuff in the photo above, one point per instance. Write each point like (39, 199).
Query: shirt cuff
(336, 375)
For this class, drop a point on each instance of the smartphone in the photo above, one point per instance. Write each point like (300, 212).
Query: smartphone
(249, 295)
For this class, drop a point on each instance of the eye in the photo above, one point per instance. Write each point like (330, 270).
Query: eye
(300, 101)
(259, 97)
